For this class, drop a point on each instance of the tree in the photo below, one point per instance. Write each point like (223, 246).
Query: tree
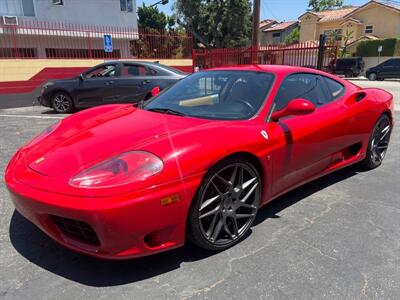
(151, 18)
(293, 36)
(333, 37)
(171, 20)
(318, 5)
(215, 22)
(347, 37)
(151, 44)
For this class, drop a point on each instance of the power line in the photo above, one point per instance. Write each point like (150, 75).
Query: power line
(264, 3)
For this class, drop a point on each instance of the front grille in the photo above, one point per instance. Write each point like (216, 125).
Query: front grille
(76, 230)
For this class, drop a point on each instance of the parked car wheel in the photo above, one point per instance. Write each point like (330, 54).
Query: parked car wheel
(62, 103)
(349, 74)
(372, 76)
(378, 143)
(225, 206)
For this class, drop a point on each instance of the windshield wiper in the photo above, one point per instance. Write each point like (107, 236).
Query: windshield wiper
(166, 111)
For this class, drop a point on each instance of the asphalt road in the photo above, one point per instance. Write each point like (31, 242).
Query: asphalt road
(335, 238)
(18, 100)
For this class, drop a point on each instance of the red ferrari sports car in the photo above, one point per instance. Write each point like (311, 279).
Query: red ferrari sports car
(195, 162)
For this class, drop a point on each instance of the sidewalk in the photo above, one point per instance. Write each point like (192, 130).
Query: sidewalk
(363, 78)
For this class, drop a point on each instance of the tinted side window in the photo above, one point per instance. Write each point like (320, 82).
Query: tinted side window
(389, 63)
(393, 62)
(103, 71)
(306, 86)
(136, 70)
(335, 88)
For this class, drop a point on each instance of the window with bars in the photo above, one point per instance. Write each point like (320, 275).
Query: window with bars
(17, 8)
(126, 5)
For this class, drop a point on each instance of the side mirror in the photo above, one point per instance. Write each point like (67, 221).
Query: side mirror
(81, 77)
(155, 91)
(296, 107)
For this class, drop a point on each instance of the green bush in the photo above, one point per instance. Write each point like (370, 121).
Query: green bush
(391, 47)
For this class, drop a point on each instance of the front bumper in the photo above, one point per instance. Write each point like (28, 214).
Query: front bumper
(43, 101)
(127, 226)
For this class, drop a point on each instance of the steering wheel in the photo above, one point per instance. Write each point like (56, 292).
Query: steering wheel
(247, 104)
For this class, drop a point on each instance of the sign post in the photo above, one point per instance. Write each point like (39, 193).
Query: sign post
(107, 43)
(380, 48)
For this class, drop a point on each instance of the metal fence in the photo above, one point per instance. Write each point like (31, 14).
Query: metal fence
(303, 54)
(41, 39)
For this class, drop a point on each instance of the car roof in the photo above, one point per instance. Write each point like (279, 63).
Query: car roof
(154, 64)
(142, 62)
(349, 58)
(281, 69)
(116, 61)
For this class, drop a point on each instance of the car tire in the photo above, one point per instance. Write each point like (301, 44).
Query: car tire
(62, 103)
(378, 143)
(225, 205)
(372, 76)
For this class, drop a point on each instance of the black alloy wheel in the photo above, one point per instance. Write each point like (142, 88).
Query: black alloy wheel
(378, 143)
(62, 103)
(226, 205)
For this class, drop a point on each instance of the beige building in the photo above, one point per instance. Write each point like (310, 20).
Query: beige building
(272, 32)
(373, 20)
(276, 33)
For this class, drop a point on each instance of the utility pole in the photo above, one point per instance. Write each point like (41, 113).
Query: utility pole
(256, 22)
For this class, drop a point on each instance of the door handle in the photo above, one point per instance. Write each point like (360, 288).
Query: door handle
(109, 82)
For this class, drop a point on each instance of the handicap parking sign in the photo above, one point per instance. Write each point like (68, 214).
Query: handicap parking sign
(107, 41)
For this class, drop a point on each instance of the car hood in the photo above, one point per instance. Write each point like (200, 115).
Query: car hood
(57, 82)
(96, 134)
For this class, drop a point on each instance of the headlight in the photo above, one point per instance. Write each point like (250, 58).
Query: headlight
(122, 169)
(47, 84)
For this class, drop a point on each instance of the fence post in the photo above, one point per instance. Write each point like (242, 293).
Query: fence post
(321, 48)
(89, 41)
(14, 40)
(193, 59)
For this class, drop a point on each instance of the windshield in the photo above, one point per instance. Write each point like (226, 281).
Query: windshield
(225, 95)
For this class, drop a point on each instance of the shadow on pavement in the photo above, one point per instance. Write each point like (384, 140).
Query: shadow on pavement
(39, 249)
(271, 209)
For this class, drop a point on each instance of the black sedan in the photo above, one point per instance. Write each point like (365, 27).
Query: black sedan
(107, 83)
(387, 69)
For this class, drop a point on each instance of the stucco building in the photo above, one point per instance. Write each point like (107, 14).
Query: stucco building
(373, 20)
(272, 32)
(66, 28)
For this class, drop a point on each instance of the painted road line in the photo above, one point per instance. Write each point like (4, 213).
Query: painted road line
(31, 117)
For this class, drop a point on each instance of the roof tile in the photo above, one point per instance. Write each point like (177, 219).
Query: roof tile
(280, 26)
(334, 14)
